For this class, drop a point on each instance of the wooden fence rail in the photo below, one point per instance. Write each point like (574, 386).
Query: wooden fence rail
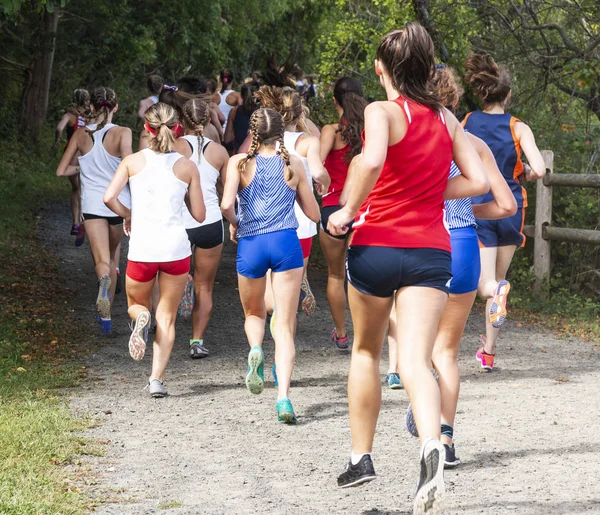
(543, 231)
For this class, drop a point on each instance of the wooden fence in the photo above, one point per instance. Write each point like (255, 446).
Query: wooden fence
(543, 231)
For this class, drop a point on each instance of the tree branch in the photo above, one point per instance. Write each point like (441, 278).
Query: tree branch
(14, 64)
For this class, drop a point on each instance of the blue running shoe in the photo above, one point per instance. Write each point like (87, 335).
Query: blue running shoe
(105, 324)
(411, 426)
(393, 381)
(274, 372)
(285, 411)
(255, 377)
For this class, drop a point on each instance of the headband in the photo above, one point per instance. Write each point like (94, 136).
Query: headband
(177, 129)
(106, 103)
(172, 88)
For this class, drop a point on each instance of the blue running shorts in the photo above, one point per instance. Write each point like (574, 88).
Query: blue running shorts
(279, 251)
(466, 266)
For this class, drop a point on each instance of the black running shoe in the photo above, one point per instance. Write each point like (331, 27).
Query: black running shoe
(430, 492)
(452, 460)
(358, 474)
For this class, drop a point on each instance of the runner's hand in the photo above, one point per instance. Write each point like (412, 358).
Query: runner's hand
(127, 226)
(338, 222)
(233, 233)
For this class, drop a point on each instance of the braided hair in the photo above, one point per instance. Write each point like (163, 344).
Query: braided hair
(196, 115)
(104, 101)
(266, 128)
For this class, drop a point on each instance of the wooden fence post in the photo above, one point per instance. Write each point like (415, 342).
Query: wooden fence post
(543, 218)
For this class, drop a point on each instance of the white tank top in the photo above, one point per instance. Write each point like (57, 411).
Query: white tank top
(209, 176)
(154, 99)
(224, 106)
(97, 169)
(306, 227)
(157, 196)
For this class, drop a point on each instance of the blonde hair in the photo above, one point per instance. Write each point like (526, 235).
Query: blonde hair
(162, 118)
(196, 116)
(287, 102)
(266, 128)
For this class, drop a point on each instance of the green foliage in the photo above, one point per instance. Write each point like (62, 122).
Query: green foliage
(36, 429)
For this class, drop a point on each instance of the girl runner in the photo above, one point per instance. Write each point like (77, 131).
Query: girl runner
(288, 103)
(155, 86)
(400, 248)
(229, 98)
(340, 143)
(161, 180)
(239, 117)
(507, 137)
(267, 181)
(72, 120)
(101, 145)
(465, 268)
(206, 238)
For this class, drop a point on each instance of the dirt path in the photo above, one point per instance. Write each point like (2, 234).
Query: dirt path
(526, 433)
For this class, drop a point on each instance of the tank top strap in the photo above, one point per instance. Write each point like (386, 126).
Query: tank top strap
(290, 139)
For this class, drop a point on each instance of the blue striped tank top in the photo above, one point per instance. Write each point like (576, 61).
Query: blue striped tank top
(267, 203)
(459, 212)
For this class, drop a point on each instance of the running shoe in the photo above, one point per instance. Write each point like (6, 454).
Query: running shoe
(272, 324)
(80, 237)
(285, 411)
(274, 372)
(74, 229)
(393, 381)
(105, 324)
(139, 335)
(341, 343)
(119, 287)
(485, 360)
(410, 423)
(452, 460)
(307, 299)
(197, 349)
(255, 377)
(431, 489)
(358, 474)
(156, 388)
(187, 301)
(103, 298)
(498, 307)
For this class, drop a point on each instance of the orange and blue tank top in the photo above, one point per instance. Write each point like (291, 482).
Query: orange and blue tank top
(405, 209)
(498, 131)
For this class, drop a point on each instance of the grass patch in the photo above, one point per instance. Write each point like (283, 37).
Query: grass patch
(169, 505)
(37, 432)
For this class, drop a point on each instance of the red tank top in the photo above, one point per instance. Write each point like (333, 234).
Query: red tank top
(405, 209)
(337, 167)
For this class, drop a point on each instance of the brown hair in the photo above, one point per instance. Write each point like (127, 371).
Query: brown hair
(408, 56)
(155, 84)
(80, 104)
(104, 101)
(348, 93)
(266, 128)
(227, 79)
(490, 82)
(162, 118)
(196, 115)
(447, 84)
(287, 102)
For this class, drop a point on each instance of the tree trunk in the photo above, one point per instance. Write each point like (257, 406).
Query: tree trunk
(34, 101)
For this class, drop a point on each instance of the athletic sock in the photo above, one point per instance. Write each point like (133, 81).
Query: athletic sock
(448, 430)
(355, 458)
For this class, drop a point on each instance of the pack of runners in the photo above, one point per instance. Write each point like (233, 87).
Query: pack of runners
(416, 214)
